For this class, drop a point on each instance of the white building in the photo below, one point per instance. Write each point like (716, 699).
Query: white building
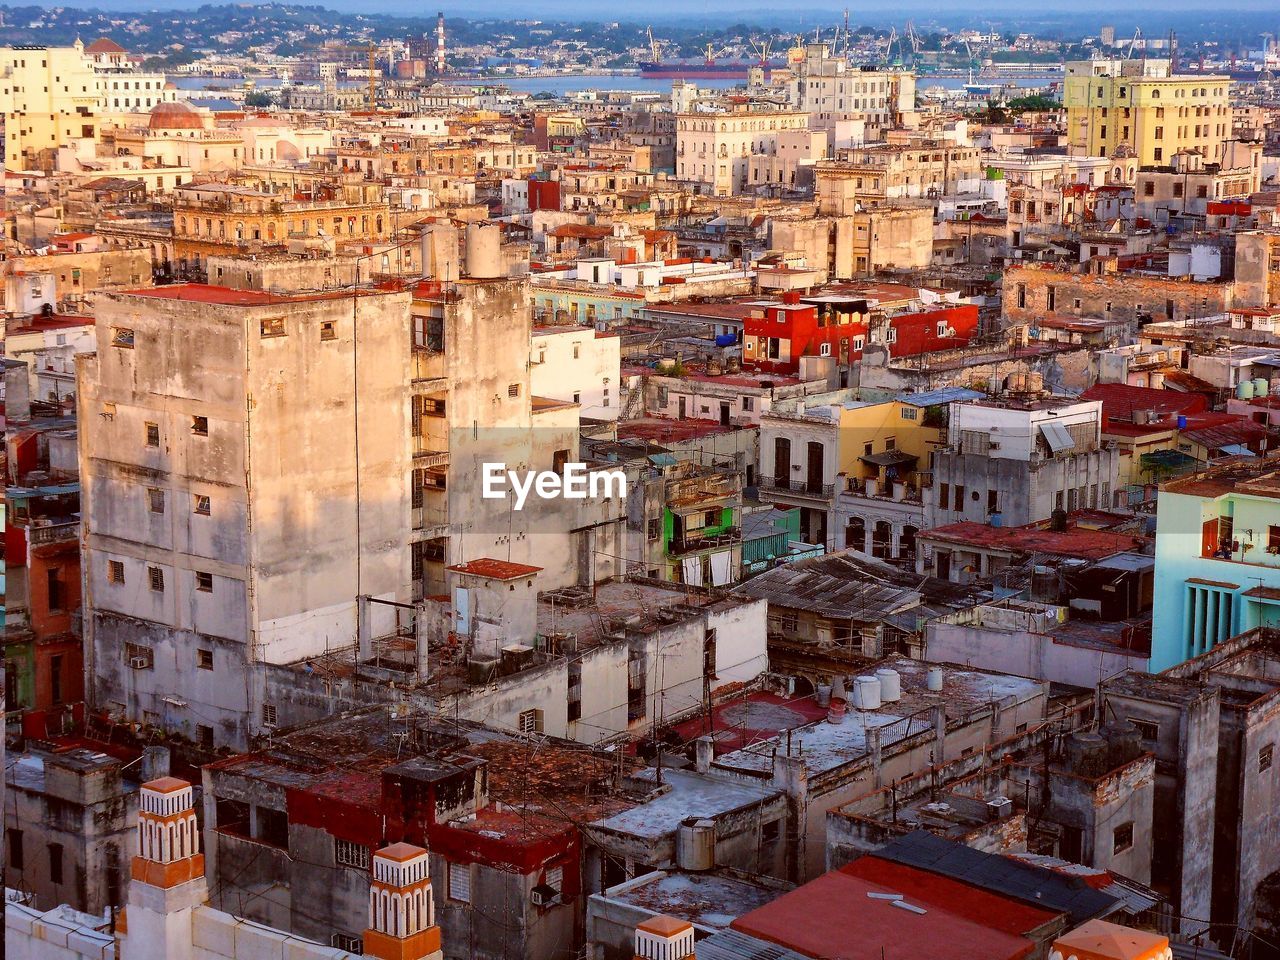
(577, 364)
(833, 92)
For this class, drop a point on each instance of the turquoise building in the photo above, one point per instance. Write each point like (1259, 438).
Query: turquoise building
(1217, 560)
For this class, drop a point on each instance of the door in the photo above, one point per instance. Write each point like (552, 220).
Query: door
(782, 463)
(683, 408)
(814, 479)
(944, 565)
(724, 414)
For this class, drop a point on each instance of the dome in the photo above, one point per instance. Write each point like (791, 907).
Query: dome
(172, 115)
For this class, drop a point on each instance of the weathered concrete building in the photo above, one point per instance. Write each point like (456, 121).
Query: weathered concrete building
(234, 505)
(1020, 458)
(1030, 292)
(69, 819)
(1213, 724)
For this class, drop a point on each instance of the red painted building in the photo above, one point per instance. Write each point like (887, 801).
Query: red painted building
(842, 325)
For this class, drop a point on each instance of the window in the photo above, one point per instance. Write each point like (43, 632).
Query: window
(155, 576)
(513, 390)
(200, 505)
(204, 736)
(271, 327)
(746, 404)
(200, 426)
(655, 528)
(460, 882)
(55, 863)
(530, 722)
(1149, 729)
(1122, 838)
(993, 501)
(115, 571)
(824, 350)
(328, 330)
(348, 854)
(204, 658)
(204, 581)
(13, 840)
(153, 434)
(347, 942)
(943, 490)
(1264, 758)
(155, 499)
(268, 714)
(908, 413)
(958, 501)
(122, 337)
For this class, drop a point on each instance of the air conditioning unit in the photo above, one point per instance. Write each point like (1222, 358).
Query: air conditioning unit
(140, 663)
(544, 895)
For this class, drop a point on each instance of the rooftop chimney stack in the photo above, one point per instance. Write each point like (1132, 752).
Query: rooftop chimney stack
(402, 915)
(440, 42)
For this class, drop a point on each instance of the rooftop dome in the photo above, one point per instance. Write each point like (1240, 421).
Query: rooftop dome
(172, 115)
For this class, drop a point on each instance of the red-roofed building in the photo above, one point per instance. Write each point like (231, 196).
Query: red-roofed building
(867, 911)
(969, 551)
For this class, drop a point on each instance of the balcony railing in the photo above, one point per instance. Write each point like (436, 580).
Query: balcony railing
(795, 488)
(54, 533)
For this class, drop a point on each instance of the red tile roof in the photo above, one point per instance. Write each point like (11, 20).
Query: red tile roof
(495, 569)
(227, 297)
(104, 45)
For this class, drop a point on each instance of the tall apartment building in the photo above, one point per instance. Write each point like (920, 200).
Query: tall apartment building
(52, 97)
(715, 149)
(1021, 459)
(244, 461)
(1140, 105)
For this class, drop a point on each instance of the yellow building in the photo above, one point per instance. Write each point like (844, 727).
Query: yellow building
(50, 97)
(1138, 104)
(55, 97)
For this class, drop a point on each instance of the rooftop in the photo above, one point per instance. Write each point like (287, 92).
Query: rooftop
(827, 746)
(850, 917)
(708, 900)
(1075, 542)
(228, 297)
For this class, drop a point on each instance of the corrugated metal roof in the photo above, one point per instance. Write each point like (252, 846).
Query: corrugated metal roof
(932, 398)
(732, 945)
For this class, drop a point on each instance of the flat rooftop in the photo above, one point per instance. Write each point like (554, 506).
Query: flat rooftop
(827, 746)
(687, 794)
(708, 900)
(228, 297)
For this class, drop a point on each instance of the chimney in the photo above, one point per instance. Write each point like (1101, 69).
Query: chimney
(402, 914)
(664, 938)
(704, 753)
(168, 876)
(440, 42)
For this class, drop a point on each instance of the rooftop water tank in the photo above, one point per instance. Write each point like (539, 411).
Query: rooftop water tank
(890, 685)
(1260, 386)
(934, 679)
(1244, 390)
(696, 844)
(866, 693)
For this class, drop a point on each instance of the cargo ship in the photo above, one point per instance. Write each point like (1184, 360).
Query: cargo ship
(701, 70)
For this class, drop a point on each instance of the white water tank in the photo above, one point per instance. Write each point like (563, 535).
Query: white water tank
(696, 844)
(934, 679)
(484, 251)
(866, 693)
(890, 685)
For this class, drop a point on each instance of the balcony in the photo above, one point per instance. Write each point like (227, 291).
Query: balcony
(795, 488)
(691, 543)
(53, 533)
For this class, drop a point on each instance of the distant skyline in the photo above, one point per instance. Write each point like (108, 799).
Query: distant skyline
(762, 11)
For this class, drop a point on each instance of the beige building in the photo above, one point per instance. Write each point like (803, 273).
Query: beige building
(1188, 184)
(714, 150)
(1139, 107)
(922, 168)
(833, 92)
(895, 235)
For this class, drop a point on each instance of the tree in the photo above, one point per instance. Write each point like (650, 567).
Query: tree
(257, 99)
